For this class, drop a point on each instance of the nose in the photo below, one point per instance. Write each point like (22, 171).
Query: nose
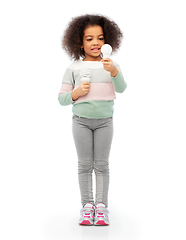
(95, 42)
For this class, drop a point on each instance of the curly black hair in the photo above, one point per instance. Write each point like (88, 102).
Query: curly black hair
(73, 35)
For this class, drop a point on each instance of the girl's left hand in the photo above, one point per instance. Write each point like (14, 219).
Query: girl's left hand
(109, 66)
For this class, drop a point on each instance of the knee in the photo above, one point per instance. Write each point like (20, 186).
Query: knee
(101, 166)
(85, 167)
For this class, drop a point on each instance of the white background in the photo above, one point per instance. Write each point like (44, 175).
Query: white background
(39, 190)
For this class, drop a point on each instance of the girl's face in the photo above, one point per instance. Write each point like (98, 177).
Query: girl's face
(93, 40)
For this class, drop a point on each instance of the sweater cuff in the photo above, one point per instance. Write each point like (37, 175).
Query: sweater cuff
(65, 99)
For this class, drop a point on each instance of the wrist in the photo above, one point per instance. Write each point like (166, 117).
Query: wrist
(75, 94)
(114, 71)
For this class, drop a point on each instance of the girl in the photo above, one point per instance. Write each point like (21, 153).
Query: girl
(90, 84)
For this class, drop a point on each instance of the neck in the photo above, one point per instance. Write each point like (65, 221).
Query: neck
(90, 58)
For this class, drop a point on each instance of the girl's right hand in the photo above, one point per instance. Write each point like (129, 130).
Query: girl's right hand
(83, 88)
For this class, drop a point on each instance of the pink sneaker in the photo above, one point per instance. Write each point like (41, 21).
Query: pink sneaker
(101, 215)
(87, 215)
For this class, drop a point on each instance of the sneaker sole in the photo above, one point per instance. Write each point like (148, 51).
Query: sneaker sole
(101, 223)
(86, 223)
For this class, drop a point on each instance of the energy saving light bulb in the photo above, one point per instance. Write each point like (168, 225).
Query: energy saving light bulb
(85, 75)
(106, 50)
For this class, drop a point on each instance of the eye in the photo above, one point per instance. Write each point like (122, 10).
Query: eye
(89, 39)
(101, 39)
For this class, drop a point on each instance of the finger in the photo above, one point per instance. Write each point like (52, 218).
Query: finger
(106, 60)
(107, 63)
(86, 83)
(86, 86)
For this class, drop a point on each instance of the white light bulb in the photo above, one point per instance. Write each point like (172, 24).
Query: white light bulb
(106, 50)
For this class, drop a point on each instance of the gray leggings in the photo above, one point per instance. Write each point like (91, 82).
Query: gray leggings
(93, 138)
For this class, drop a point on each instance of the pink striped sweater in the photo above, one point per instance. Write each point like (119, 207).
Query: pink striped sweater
(98, 103)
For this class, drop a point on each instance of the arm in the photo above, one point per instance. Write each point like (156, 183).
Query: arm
(64, 96)
(68, 96)
(119, 83)
(116, 75)
(82, 90)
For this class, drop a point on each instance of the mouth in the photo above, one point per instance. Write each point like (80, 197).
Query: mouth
(95, 50)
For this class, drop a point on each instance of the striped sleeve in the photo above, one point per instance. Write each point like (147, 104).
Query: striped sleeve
(118, 81)
(64, 96)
